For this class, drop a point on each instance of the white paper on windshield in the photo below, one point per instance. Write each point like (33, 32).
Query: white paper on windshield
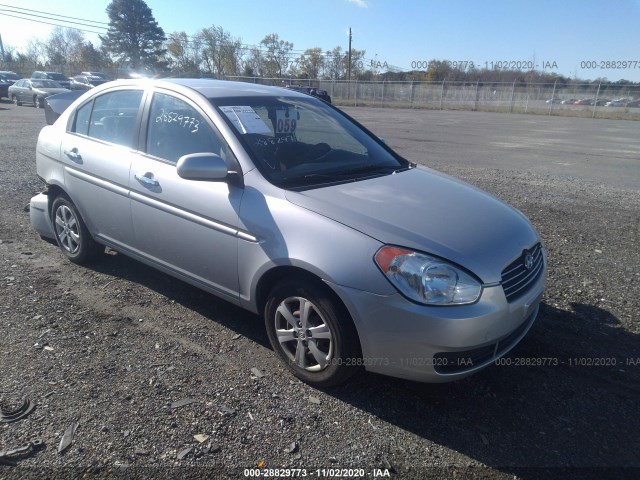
(245, 119)
(286, 121)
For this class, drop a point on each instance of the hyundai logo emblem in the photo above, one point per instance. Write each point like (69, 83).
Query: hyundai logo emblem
(528, 260)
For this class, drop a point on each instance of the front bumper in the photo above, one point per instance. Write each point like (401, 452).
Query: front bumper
(438, 344)
(39, 214)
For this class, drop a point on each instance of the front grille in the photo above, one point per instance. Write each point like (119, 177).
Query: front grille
(517, 279)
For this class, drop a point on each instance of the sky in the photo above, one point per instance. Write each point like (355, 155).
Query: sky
(575, 38)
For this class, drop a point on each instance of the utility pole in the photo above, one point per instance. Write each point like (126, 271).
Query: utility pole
(1, 50)
(349, 65)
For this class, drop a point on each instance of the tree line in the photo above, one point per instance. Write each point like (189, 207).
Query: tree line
(135, 41)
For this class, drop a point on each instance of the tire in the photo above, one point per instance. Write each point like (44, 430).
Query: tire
(321, 348)
(71, 233)
(38, 103)
(16, 101)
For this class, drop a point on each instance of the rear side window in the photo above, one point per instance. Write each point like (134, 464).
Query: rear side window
(110, 117)
(177, 129)
(83, 114)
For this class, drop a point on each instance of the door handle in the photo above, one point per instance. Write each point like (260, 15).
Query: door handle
(73, 154)
(146, 179)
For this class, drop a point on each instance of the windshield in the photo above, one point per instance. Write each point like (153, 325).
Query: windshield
(45, 84)
(298, 142)
(10, 75)
(56, 76)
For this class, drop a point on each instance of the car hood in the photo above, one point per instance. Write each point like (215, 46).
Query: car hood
(431, 212)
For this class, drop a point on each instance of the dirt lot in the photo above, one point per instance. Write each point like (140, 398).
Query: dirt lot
(112, 346)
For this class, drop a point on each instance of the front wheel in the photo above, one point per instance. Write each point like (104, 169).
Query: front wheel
(72, 235)
(38, 102)
(16, 101)
(312, 333)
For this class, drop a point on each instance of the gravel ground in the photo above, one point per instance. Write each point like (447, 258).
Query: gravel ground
(115, 345)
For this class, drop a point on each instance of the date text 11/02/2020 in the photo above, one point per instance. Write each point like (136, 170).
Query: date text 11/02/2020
(488, 64)
(318, 472)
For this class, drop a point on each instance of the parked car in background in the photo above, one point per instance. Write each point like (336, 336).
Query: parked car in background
(569, 101)
(4, 87)
(554, 100)
(584, 101)
(100, 75)
(86, 82)
(279, 203)
(7, 78)
(618, 102)
(314, 92)
(12, 77)
(55, 105)
(34, 91)
(633, 103)
(55, 76)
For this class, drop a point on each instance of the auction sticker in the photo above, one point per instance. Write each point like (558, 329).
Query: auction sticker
(245, 119)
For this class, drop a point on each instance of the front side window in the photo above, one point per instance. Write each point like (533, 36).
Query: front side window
(299, 142)
(176, 129)
(113, 118)
(45, 84)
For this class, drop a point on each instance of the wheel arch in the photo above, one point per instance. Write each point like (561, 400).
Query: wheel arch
(54, 190)
(278, 273)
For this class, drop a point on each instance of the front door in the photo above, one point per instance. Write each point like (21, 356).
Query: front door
(186, 227)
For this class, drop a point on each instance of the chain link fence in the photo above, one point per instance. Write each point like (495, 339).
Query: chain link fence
(583, 100)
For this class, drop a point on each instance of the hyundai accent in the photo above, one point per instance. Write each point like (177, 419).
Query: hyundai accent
(284, 205)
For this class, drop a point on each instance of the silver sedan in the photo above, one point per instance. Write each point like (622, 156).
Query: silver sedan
(282, 204)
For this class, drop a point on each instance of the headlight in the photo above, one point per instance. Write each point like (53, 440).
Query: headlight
(427, 279)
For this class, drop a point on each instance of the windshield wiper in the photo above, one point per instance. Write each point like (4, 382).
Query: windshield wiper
(370, 169)
(345, 174)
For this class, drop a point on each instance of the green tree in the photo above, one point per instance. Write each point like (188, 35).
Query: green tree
(276, 56)
(311, 63)
(92, 58)
(134, 36)
(64, 45)
(333, 64)
(254, 64)
(357, 63)
(221, 52)
(438, 70)
(184, 53)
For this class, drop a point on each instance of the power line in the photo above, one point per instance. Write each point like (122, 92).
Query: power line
(291, 55)
(54, 24)
(53, 14)
(47, 18)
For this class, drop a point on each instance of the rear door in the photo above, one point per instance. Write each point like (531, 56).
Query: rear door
(97, 150)
(23, 90)
(183, 226)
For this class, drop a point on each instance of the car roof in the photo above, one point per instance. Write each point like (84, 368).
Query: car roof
(209, 88)
(224, 88)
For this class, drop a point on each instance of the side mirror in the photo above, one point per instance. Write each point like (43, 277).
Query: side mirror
(203, 167)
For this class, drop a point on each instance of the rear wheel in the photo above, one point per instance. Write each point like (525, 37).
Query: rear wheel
(312, 332)
(72, 235)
